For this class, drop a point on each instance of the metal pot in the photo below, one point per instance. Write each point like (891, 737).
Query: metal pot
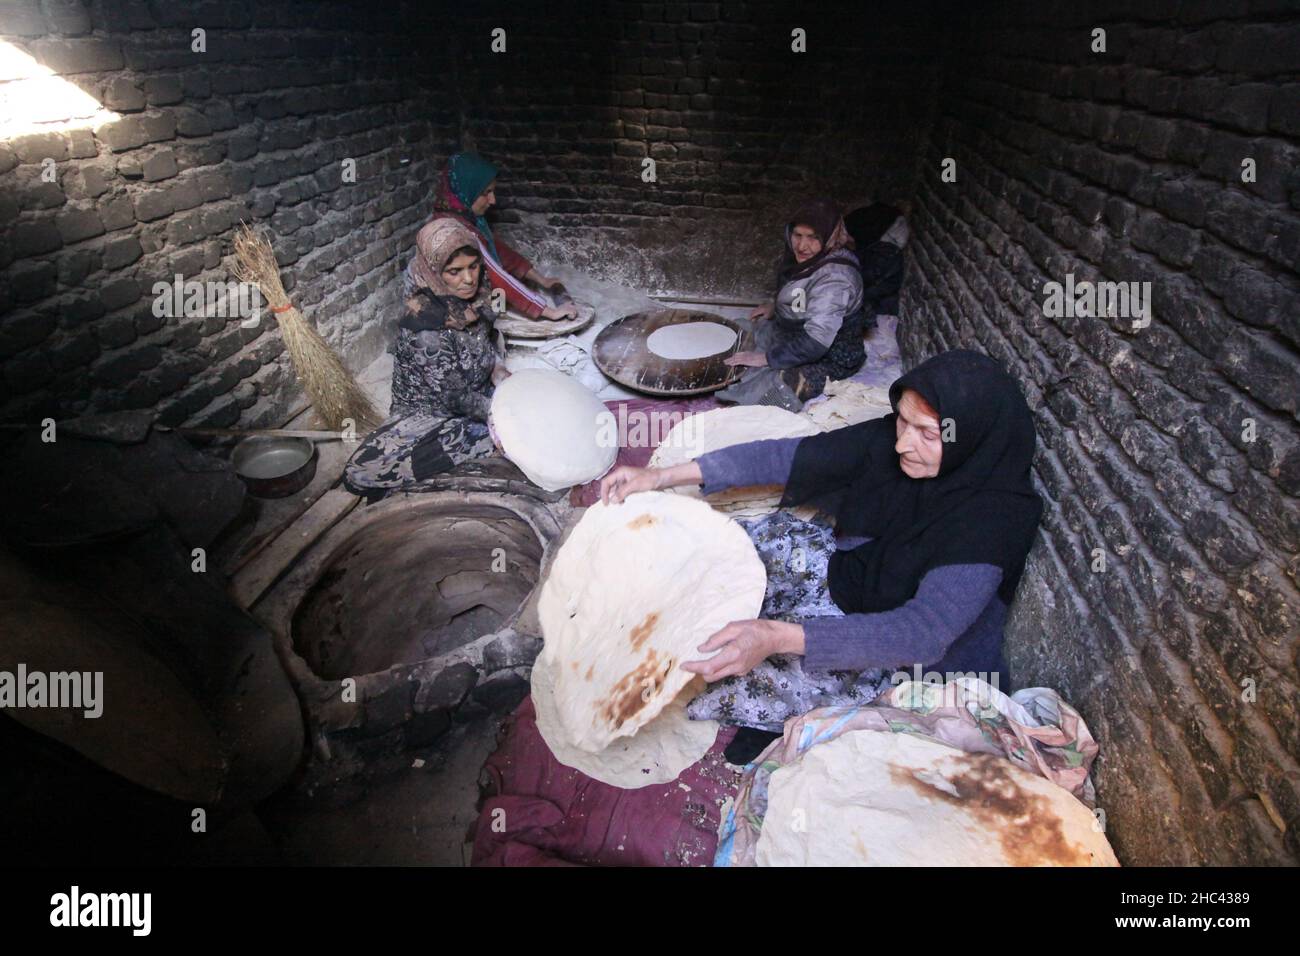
(274, 467)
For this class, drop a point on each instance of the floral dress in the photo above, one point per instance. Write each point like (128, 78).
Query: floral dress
(442, 387)
(795, 553)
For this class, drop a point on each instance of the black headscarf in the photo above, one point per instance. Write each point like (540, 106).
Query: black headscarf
(980, 509)
(823, 217)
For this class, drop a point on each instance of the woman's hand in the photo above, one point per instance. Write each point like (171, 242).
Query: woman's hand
(628, 479)
(744, 645)
(499, 374)
(567, 311)
(762, 312)
(752, 359)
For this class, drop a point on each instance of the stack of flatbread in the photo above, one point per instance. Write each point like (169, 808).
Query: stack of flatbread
(847, 402)
(633, 593)
(871, 798)
(719, 428)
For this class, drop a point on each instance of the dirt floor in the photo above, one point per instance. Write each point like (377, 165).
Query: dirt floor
(395, 814)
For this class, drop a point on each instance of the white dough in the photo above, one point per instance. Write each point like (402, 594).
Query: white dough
(873, 798)
(553, 428)
(691, 340)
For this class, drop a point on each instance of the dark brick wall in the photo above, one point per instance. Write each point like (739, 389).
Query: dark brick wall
(255, 128)
(1126, 166)
(740, 127)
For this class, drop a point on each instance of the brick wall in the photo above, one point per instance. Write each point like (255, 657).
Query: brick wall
(255, 128)
(740, 127)
(1126, 165)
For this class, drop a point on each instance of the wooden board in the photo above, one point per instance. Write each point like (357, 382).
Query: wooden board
(516, 326)
(252, 580)
(621, 352)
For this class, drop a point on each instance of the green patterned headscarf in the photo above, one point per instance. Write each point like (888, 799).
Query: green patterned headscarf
(464, 179)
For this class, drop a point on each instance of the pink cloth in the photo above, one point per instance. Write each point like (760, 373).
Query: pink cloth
(636, 443)
(547, 814)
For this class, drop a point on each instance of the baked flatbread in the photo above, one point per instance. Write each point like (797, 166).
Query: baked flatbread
(633, 592)
(720, 428)
(655, 754)
(871, 798)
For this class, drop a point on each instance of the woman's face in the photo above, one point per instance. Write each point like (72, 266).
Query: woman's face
(919, 445)
(804, 243)
(486, 199)
(461, 274)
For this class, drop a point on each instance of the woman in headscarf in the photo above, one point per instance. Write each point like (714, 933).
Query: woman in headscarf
(934, 514)
(466, 190)
(446, 364)
(812, 332)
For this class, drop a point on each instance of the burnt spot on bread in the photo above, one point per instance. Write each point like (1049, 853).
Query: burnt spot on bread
(642, 521)
(635, 689)
(1026, 824)
(642, 631)
(591, 669)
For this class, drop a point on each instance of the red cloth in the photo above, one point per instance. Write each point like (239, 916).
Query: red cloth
(547, 814)
(637, 443)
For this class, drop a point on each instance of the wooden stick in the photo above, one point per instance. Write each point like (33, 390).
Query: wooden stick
(660, 297)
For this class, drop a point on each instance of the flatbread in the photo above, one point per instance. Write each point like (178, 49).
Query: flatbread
(871, 798)
(691, 340)
(721, 428)
(655, 754)
(847, 403)
(634, 591)
(554, 428)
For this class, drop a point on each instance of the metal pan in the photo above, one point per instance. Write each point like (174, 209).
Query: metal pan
(274, 467)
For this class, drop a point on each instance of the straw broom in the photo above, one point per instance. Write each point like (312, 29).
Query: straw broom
(333, 391)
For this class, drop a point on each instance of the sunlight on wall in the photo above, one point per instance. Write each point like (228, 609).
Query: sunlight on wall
(34, 100)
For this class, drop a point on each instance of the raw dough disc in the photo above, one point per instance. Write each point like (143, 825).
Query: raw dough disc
(691, 340)
(554, 428)
(655, 754)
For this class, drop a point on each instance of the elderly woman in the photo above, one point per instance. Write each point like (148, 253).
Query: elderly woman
(934, 514)
(466, 190)
(445, 366)
(812, 332)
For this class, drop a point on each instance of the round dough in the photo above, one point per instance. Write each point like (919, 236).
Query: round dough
(555, 429)
(636, 589)
(872, 798)
(719, 428)
(655, 754)
(691, 340)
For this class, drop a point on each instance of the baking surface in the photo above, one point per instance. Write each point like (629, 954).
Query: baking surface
(622, 352)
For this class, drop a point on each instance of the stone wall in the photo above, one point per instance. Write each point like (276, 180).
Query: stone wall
(256, 127)
(1161, 598)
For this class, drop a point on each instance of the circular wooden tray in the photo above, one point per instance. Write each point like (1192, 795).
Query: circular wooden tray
(518, 327)
(621, 352)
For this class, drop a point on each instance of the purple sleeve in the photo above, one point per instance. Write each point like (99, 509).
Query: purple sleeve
(947, 602)
(765, 462)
